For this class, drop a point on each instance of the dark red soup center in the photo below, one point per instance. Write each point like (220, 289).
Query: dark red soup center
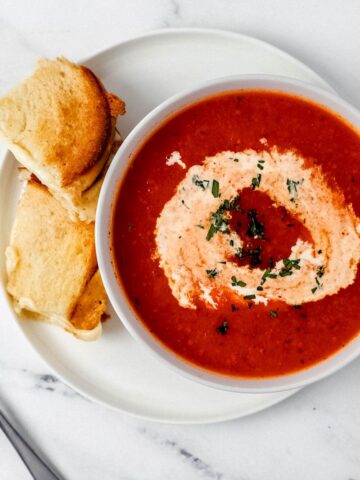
(240, 339)
(268, 231)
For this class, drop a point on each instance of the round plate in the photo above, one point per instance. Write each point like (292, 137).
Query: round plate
(115, 370)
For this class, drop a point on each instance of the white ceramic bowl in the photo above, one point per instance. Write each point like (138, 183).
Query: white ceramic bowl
(103, 220)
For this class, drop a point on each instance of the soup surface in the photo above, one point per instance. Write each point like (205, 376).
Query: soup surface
(235, 233)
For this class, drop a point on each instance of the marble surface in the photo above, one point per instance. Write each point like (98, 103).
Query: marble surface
(316, 433)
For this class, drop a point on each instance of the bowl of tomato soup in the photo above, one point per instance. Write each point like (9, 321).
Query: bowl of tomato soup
(227, 233)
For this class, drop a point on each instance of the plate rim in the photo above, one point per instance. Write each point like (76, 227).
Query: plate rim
(5, 300)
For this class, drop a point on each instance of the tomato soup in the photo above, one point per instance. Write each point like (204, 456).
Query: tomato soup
(234, 233)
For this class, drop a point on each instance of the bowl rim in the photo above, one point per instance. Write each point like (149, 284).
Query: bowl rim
(113, 178)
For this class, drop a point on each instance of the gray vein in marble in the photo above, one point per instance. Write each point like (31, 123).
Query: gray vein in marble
(175, 14)
(50, 383)
(42, 381)
(196, 463)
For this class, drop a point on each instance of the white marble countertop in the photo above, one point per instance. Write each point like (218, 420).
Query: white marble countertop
(314, 434)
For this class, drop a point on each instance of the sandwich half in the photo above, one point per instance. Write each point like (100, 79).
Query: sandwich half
(60, 124)
(51, 265)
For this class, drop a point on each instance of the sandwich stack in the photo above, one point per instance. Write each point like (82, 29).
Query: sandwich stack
(60, 125)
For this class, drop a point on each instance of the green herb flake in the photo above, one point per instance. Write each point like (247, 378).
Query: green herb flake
(285, 273)
(313, 290)
(249, 297)
(234, 308)
(219, 222)
(297, 307)
(203, 184)
(255, 182)
(292, 186)
(289, 265)
(211, 232)
(260, 288)
(223, 328)
(215, 189)
(320, 271)
(255, 228)
(237, 283)
(212, 273)
(267, 274)
(273, 313)
(253, 253)
(200, 226)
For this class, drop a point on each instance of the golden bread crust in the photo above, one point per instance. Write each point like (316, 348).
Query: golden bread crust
(58, 121)
(90, 306)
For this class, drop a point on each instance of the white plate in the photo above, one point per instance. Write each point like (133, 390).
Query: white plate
(115, 370)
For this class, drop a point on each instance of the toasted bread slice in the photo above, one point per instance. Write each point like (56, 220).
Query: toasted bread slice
(60, 123)
(81, 205)
(86, 317)
(51, 264)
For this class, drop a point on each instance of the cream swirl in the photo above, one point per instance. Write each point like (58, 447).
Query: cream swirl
(189, 246)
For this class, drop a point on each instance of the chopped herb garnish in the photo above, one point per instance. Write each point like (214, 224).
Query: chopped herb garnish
(292, 188)
(292, 263)
(255, 228)
(212, 273)
(211, 232)
(215, 189)
(319, 252)
(224, 263)
(219, 223)
(320, 271)
(250, 304)
(203, 184)
(259, 288)
(285, 273)
(297, 307)
(267, 274)
(253, 253)
(237, 283)
(223, 328)
(249, 297)
(183, 202)
(231, 243)
(288, 266)
(255, 182)
(273, 313)
(291, 224)
(234, 308)
(200, 226)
